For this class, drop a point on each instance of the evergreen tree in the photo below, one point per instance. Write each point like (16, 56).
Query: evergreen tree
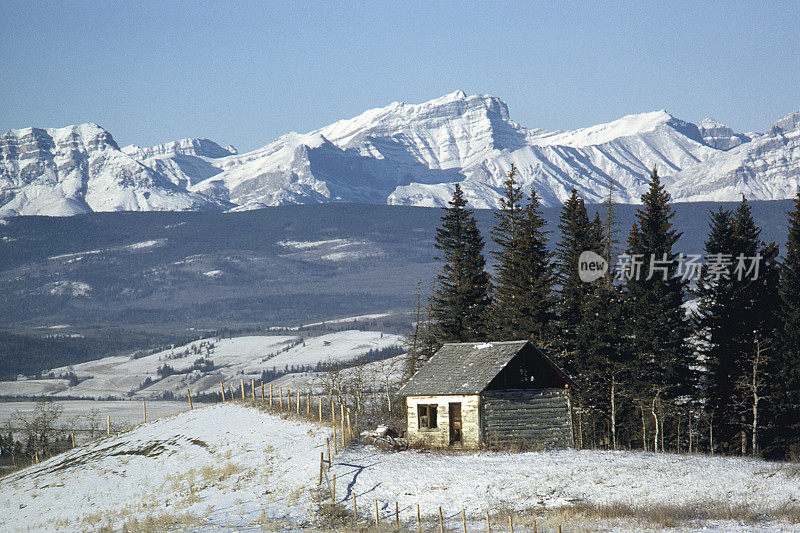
(654, 314)
(578, 234)
(788, 400)
(736, 320)
(711, 321)
(461, 298)
(523, 301)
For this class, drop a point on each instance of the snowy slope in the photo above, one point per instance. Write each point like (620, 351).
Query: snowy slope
(407, 154)
(223, 466)
(80, 169)
(233, 360)
(184, 162)
(766, 167)
(229, 467)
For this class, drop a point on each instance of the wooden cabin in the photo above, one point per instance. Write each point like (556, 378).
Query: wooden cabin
(489, 394)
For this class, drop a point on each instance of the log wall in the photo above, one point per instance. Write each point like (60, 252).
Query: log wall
(536, 418)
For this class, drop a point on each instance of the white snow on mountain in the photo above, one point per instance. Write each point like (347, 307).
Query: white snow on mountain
(79, 169)
(767, 167)
(406, 154)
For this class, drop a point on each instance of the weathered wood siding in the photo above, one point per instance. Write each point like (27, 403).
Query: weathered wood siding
(529, 417)
(440, 437)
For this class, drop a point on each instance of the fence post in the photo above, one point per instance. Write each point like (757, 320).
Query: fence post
(73, 439)
(280, 398)
(144, 411)
(189, 395)
(321, 465)
(441, 521)
(253, 389)
(341, 420)
(419, 520)
(308, 405)
(464, 519)
(489, 526)
(270, 395)
(510, 522)
(397, 515)
(333, 490)
(242, 381)
(298, 402)
(222, 386)
(320, 408)
(108, 425)
(262, 393)
(377, 516)
(328, 442)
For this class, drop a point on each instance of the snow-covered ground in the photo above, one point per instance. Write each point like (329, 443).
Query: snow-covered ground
(233, 359)
(525, 482)
(223, 466)
(230, 467)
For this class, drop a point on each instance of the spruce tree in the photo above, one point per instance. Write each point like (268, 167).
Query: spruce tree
(712, 323)
(523, 301)
(788, 398)
(736, 319)
(578, 234)
(461, 298)
(654, 314)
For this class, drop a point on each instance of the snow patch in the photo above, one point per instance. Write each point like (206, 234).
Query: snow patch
(70, 288)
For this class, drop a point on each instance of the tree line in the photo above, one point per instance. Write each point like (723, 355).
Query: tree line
(670, 352)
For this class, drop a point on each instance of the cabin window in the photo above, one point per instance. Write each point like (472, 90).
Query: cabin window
(427, 416)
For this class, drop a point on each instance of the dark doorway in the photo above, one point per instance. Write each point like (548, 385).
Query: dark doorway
(455, 423)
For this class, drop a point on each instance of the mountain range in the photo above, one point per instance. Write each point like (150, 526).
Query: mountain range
(401, 154)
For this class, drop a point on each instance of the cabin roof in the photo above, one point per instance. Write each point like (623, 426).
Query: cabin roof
(469, 367)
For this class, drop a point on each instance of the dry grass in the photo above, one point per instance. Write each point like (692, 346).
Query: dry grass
(162, 522)
(580, 515)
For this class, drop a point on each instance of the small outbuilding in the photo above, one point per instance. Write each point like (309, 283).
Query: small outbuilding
(489, 394)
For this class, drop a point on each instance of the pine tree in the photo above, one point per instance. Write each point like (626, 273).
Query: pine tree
(788, 399)
(523, 301)
(711, 321)
(461, 298)
(578, 234)
(657, 326)
(735, 320)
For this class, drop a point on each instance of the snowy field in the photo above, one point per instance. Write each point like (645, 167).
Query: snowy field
(232, 359)
(234, 468)
(544, 482)
(220, 467)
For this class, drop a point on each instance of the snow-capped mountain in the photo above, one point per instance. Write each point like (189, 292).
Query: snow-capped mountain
(399, 154)
(79, 169)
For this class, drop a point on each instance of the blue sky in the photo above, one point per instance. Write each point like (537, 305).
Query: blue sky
(246, 72)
